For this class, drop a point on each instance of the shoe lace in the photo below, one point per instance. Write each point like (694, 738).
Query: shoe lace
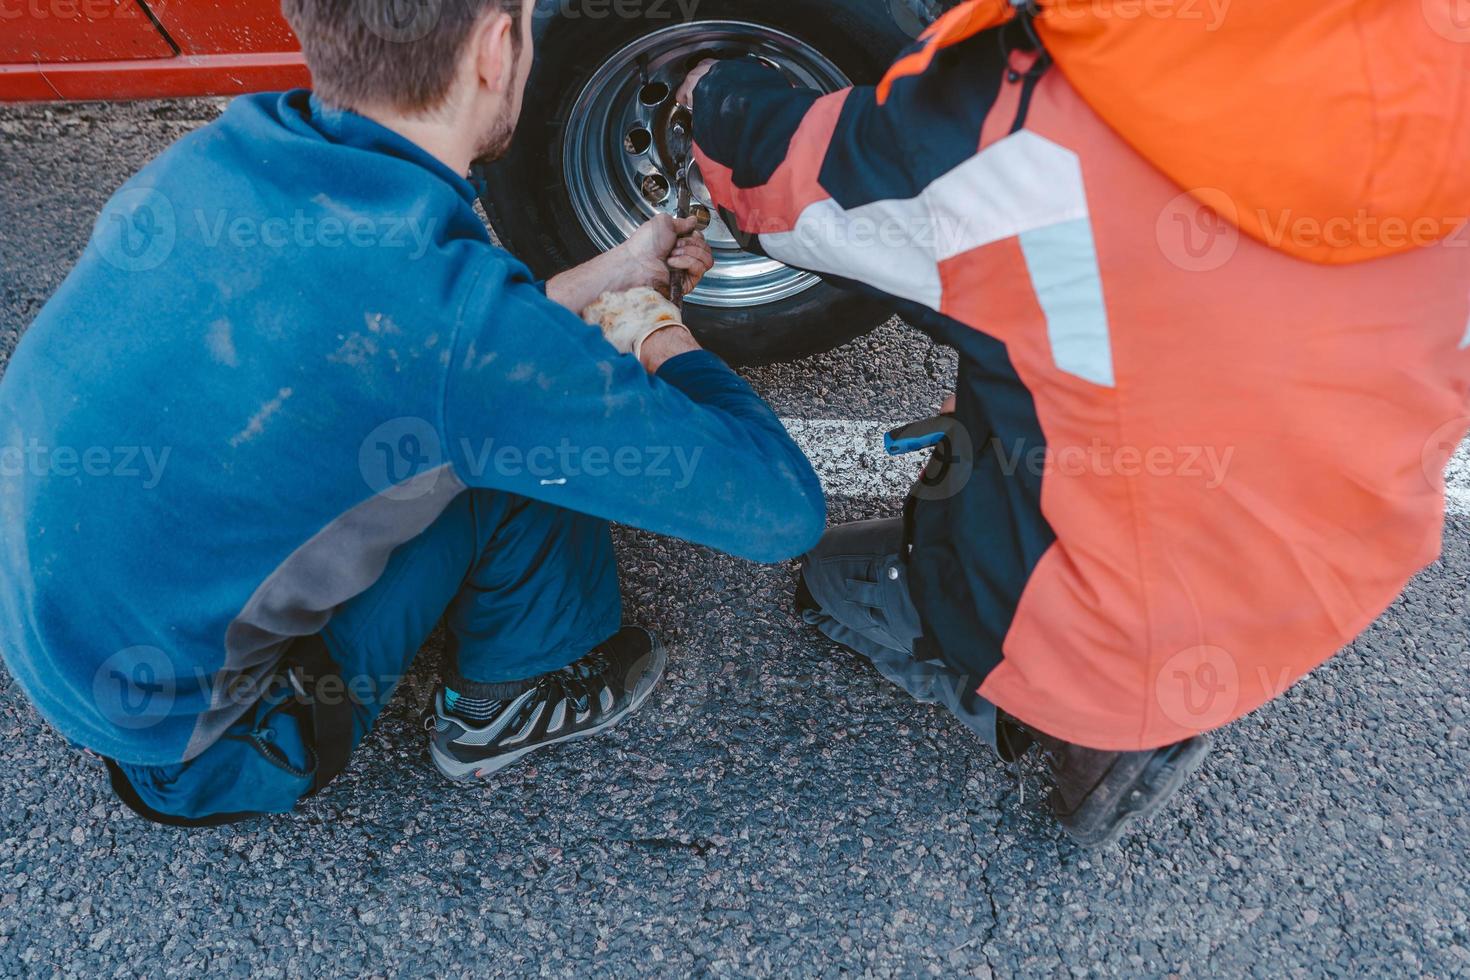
(578, 681)
(1015, 745)
(1023, 768)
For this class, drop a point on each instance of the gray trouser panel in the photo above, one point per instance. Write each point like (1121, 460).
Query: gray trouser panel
(858, 575)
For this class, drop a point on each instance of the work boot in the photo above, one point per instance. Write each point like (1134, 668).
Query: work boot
(1097, 793)
(476, 738)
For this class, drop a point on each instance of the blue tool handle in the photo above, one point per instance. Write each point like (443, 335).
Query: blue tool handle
(917, 436)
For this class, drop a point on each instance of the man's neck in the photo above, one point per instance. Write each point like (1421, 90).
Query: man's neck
(439, 138)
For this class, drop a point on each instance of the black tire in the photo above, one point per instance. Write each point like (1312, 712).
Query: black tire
(531, 211)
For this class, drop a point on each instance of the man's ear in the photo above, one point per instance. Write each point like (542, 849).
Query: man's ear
(495, 53)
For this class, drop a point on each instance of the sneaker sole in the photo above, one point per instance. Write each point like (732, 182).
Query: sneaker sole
(1102, 819)
(462, 771)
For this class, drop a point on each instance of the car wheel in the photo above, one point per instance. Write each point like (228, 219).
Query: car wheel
(587, 166)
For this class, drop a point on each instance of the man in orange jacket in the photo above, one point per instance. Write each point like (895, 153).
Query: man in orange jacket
(1210, 288)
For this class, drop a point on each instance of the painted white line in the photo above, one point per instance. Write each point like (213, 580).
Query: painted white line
(1457, 482)
(849, 458)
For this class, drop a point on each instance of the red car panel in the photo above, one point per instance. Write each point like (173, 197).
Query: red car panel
(42, 31)
(224, 26)
(128, 49)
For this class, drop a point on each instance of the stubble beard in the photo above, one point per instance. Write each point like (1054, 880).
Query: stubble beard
(497, 139)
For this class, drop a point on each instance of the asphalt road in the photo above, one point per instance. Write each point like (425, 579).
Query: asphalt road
(775, 808)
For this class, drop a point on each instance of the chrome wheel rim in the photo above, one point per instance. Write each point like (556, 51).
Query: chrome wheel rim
(612, 156)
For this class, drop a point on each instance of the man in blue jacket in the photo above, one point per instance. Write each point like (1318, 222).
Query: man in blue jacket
(292, 406)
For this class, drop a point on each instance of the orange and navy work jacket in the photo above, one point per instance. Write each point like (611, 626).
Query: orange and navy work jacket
(1210, 288)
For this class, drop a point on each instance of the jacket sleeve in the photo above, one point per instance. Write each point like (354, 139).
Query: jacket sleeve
(537, 403)
(843, 184)
(768, 151)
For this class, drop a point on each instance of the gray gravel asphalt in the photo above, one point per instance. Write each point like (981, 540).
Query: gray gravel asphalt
(775, 808)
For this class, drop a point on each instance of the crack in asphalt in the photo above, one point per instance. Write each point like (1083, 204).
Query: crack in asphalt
(698, 847)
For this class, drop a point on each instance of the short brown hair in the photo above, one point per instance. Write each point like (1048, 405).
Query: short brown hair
(399, 53)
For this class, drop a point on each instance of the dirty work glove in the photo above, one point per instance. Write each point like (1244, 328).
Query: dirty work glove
(629, 318)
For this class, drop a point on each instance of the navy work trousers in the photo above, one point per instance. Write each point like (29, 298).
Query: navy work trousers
(525, 588)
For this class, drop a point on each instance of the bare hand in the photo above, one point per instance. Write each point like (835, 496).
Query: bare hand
(642, 260)
(691, 81)
(664, 242)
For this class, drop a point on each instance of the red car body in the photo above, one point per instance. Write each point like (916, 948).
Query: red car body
(144, 49)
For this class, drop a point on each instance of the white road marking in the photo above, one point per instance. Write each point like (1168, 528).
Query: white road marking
(849, 458)
(1457, 482)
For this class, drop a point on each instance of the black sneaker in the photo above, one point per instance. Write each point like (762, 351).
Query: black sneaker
(1096, 793)
(582, 699)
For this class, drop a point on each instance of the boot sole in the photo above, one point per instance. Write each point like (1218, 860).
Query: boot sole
(461, 771)
(1135, 790)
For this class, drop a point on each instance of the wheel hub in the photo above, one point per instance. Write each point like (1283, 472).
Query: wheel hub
(615, 159)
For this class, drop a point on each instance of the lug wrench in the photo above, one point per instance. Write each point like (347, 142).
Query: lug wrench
(679, 145)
